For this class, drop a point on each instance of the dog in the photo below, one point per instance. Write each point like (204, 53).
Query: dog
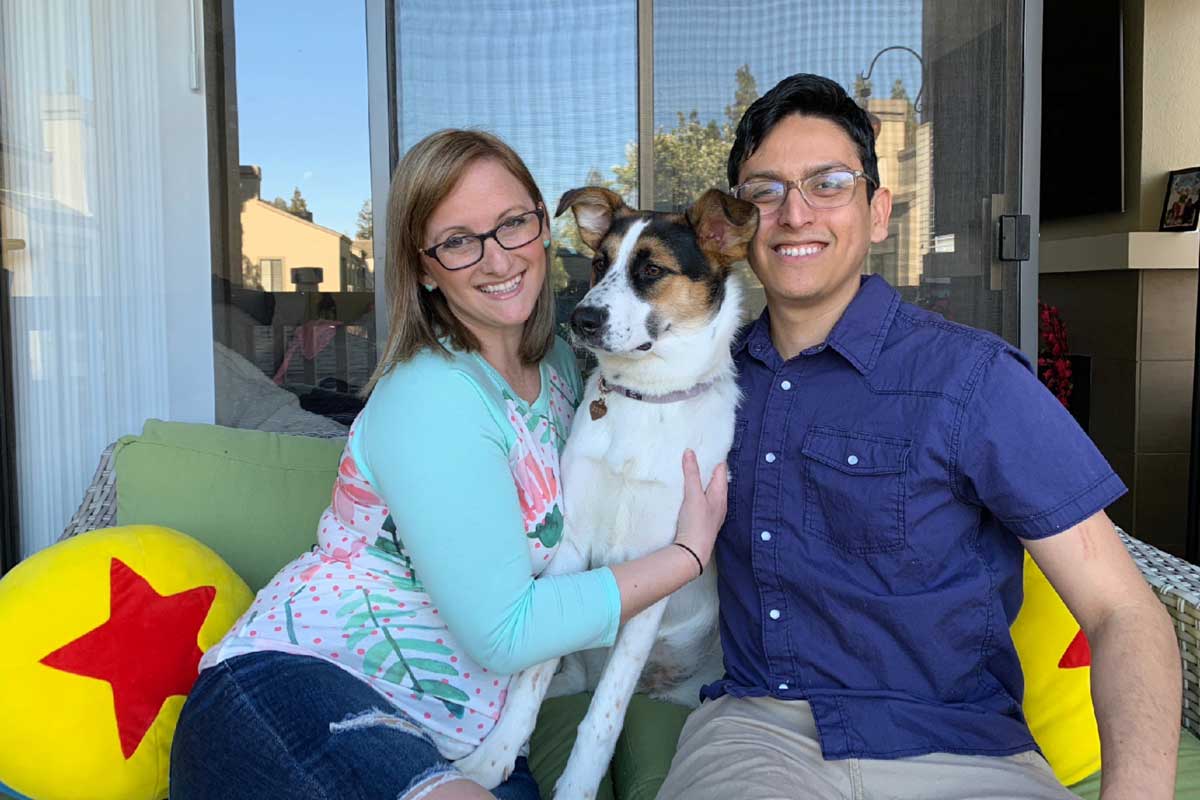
(660, 318)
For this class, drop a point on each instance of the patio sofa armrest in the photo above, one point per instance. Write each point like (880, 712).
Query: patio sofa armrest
(1177, 584)
(98, 508)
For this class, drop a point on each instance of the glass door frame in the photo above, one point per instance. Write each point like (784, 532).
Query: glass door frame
(384, 137)
(10, 533)
(1031, 173)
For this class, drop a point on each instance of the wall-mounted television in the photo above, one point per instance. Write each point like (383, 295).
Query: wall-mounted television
(1083, 143)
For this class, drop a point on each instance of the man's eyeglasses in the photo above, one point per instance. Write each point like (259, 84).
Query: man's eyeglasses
(465, 249)
(831, 189)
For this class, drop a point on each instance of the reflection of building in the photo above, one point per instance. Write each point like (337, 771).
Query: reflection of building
(276, 242)
(66, 120)
(905, 153)
(58, 218)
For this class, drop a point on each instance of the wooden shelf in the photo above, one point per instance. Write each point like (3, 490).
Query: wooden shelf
(1115, 251)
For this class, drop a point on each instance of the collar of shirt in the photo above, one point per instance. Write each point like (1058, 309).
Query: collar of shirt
(858, 336)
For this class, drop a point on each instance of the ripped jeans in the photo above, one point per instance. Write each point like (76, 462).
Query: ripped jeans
(274, 725)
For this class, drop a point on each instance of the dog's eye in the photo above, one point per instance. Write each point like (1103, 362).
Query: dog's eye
(651, 270)
(599, 266)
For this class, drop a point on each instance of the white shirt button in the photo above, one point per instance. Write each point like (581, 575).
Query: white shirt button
(786, 385)
(770, 458)
(773, 613)
(765, 536)
(852, 460)
(783, 687)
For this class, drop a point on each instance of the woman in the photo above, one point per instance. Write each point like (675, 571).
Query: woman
(366, 667)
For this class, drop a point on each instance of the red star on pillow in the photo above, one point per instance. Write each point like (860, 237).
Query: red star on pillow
(1077, 654)
(146, 649)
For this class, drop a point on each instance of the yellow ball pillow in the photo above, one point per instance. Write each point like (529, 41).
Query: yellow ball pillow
(1057, 663)
(100, 636)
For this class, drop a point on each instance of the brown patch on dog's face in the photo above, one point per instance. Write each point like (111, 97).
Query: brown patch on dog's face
(681, 295)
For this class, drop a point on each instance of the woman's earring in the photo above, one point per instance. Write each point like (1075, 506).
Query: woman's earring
(429, 287)
(545, 242)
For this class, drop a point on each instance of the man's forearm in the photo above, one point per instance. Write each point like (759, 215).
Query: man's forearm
(1136, 689)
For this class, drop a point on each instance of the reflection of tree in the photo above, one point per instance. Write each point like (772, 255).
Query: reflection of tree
(689, 158)
(365, 222)
(298, 205)
(251, 274)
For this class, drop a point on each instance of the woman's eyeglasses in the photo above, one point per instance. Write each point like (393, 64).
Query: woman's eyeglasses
(465, 249)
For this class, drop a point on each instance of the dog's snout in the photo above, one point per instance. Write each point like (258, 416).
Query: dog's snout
(587, 321)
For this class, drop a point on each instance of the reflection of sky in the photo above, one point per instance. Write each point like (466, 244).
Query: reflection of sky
(699, 45)
(302, 103)
(558, 80)
(561, 87)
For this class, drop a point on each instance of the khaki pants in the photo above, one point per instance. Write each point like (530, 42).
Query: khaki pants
(761, 748)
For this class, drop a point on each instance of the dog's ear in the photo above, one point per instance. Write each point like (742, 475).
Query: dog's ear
(724, 225)
(595, 208)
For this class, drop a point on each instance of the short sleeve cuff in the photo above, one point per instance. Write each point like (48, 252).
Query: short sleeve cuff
(1095, 498)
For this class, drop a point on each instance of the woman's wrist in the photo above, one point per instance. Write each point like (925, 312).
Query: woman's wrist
(692, 553)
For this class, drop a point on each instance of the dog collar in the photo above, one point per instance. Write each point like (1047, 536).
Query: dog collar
(598, 408)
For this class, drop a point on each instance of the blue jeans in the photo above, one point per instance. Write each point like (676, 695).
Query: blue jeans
(275, 725)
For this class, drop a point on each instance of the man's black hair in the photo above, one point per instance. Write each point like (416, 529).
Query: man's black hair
(810, 96)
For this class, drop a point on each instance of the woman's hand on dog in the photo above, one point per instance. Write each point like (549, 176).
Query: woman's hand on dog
(703, 510)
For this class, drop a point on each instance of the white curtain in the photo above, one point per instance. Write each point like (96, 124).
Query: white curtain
(85, 183)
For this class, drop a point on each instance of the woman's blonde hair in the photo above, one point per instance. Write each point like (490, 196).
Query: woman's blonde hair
(419, 319)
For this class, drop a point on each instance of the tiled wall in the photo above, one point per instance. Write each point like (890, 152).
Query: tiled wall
(1139, 328)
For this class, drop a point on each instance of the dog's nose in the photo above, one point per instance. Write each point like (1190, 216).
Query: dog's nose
(587, 321)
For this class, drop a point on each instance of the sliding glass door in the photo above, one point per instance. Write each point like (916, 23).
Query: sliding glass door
(643, 97)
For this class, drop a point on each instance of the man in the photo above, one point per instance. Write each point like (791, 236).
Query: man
(887, 468)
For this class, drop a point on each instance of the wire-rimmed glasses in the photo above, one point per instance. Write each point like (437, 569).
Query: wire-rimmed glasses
(827, 189)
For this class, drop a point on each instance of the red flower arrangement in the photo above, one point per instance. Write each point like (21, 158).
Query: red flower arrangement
(1054, 367)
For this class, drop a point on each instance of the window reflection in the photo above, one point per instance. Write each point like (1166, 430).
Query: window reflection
(294, 310)
(951, 160)
(557, 82)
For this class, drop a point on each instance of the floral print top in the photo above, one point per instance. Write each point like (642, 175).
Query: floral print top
(423, 583)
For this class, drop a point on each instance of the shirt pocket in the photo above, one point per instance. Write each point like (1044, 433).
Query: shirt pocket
(731, 462)
(854, 489)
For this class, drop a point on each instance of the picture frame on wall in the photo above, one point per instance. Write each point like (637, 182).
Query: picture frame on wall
(1181, 205)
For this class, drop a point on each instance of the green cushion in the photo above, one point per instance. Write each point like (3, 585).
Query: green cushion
(553, 738)
(643, 753)
(1187, 772)
(253, 497)
(646, 747)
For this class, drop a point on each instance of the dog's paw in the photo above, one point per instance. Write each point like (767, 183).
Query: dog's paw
(489, 765)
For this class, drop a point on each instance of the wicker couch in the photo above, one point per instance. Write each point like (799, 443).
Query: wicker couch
(1176, 582)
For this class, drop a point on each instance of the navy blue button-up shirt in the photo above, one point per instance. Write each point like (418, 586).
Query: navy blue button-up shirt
(870, 563)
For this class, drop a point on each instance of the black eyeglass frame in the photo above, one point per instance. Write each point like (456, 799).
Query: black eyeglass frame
(483, 237)
(796, 184)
